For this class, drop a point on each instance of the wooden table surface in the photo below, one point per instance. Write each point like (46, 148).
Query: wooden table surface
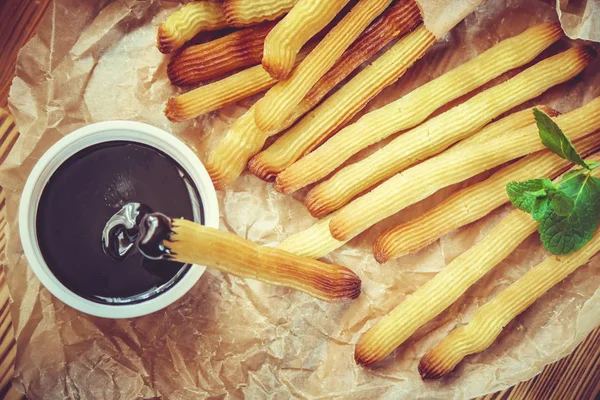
(574, 377)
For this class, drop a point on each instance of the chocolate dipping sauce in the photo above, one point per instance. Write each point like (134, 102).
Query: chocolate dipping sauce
(84, 193)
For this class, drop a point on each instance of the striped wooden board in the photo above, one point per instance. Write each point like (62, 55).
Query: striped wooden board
(575, 377)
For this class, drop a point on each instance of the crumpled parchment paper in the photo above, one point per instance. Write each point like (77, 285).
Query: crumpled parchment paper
(234, 338)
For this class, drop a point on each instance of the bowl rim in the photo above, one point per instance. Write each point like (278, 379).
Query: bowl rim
(76, 141)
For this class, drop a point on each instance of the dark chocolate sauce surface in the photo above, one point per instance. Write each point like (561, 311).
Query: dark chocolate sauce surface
(83, 194)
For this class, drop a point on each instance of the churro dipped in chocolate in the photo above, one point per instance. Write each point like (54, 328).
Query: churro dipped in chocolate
(161, 237)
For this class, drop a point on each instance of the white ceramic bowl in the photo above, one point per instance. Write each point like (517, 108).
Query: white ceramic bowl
(77, 141)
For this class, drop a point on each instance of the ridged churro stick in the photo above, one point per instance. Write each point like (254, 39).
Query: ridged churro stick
(324, 242)
(346, 102)
(489, 320)
(188, 242)
(305, 20)
(472, 203)
(443, 289)
(279, 102)
(220, 93)
(229, 159)
(215, 58)
(240, 13)
(452, 166)
(314, 242)
(438, 133)
(415, 107)
(187, 22)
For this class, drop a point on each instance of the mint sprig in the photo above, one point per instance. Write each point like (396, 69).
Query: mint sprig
(568, 211)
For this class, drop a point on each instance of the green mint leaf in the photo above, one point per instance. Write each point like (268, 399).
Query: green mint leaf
(554, 138)
(530, 196)
(539, 209)
(562, 204)
(564, 234)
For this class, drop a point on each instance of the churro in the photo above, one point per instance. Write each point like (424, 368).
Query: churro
(489, 320)
(240, 13)
(189, 242)
(212, 59)
(472, 203)
(438, 133)
(404, 113)
(305, 20)
(187, 22)
(394, 22)
(443, 289)
(279, 102)
(455, 165)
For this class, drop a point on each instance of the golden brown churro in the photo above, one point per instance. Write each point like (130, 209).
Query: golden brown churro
(240, 13)
(187, 22)
(455, 165)
(209, 60)
(325, 243)
(393, 23)
(218, 94)
(189, 242)
(304, 21)
(472, 203)
(443, 289)
(279, 102)
(314, 242)
(227, 162)
(489, 320)
(403, 114)
(322, 122)
(437, 134)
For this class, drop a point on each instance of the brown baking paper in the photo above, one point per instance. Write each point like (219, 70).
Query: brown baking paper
(233, 338)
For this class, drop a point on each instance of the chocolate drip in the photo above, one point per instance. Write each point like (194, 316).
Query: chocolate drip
(121, 231)
(100, 261)
(154, 231)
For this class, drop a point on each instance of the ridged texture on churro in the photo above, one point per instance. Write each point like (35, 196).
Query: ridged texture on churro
(197, 244)
(438, 133)
(245, 13)
(394, 22)
(489, 320)
(279, 102)
(227, 161)
(217, 57)
(314, 242)
(218, 94)
(416, 106)
(304, 21)
(472, 203)
(187, 22)
(443, 289)
(322, 122)
(452, 166)
(243, 139)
